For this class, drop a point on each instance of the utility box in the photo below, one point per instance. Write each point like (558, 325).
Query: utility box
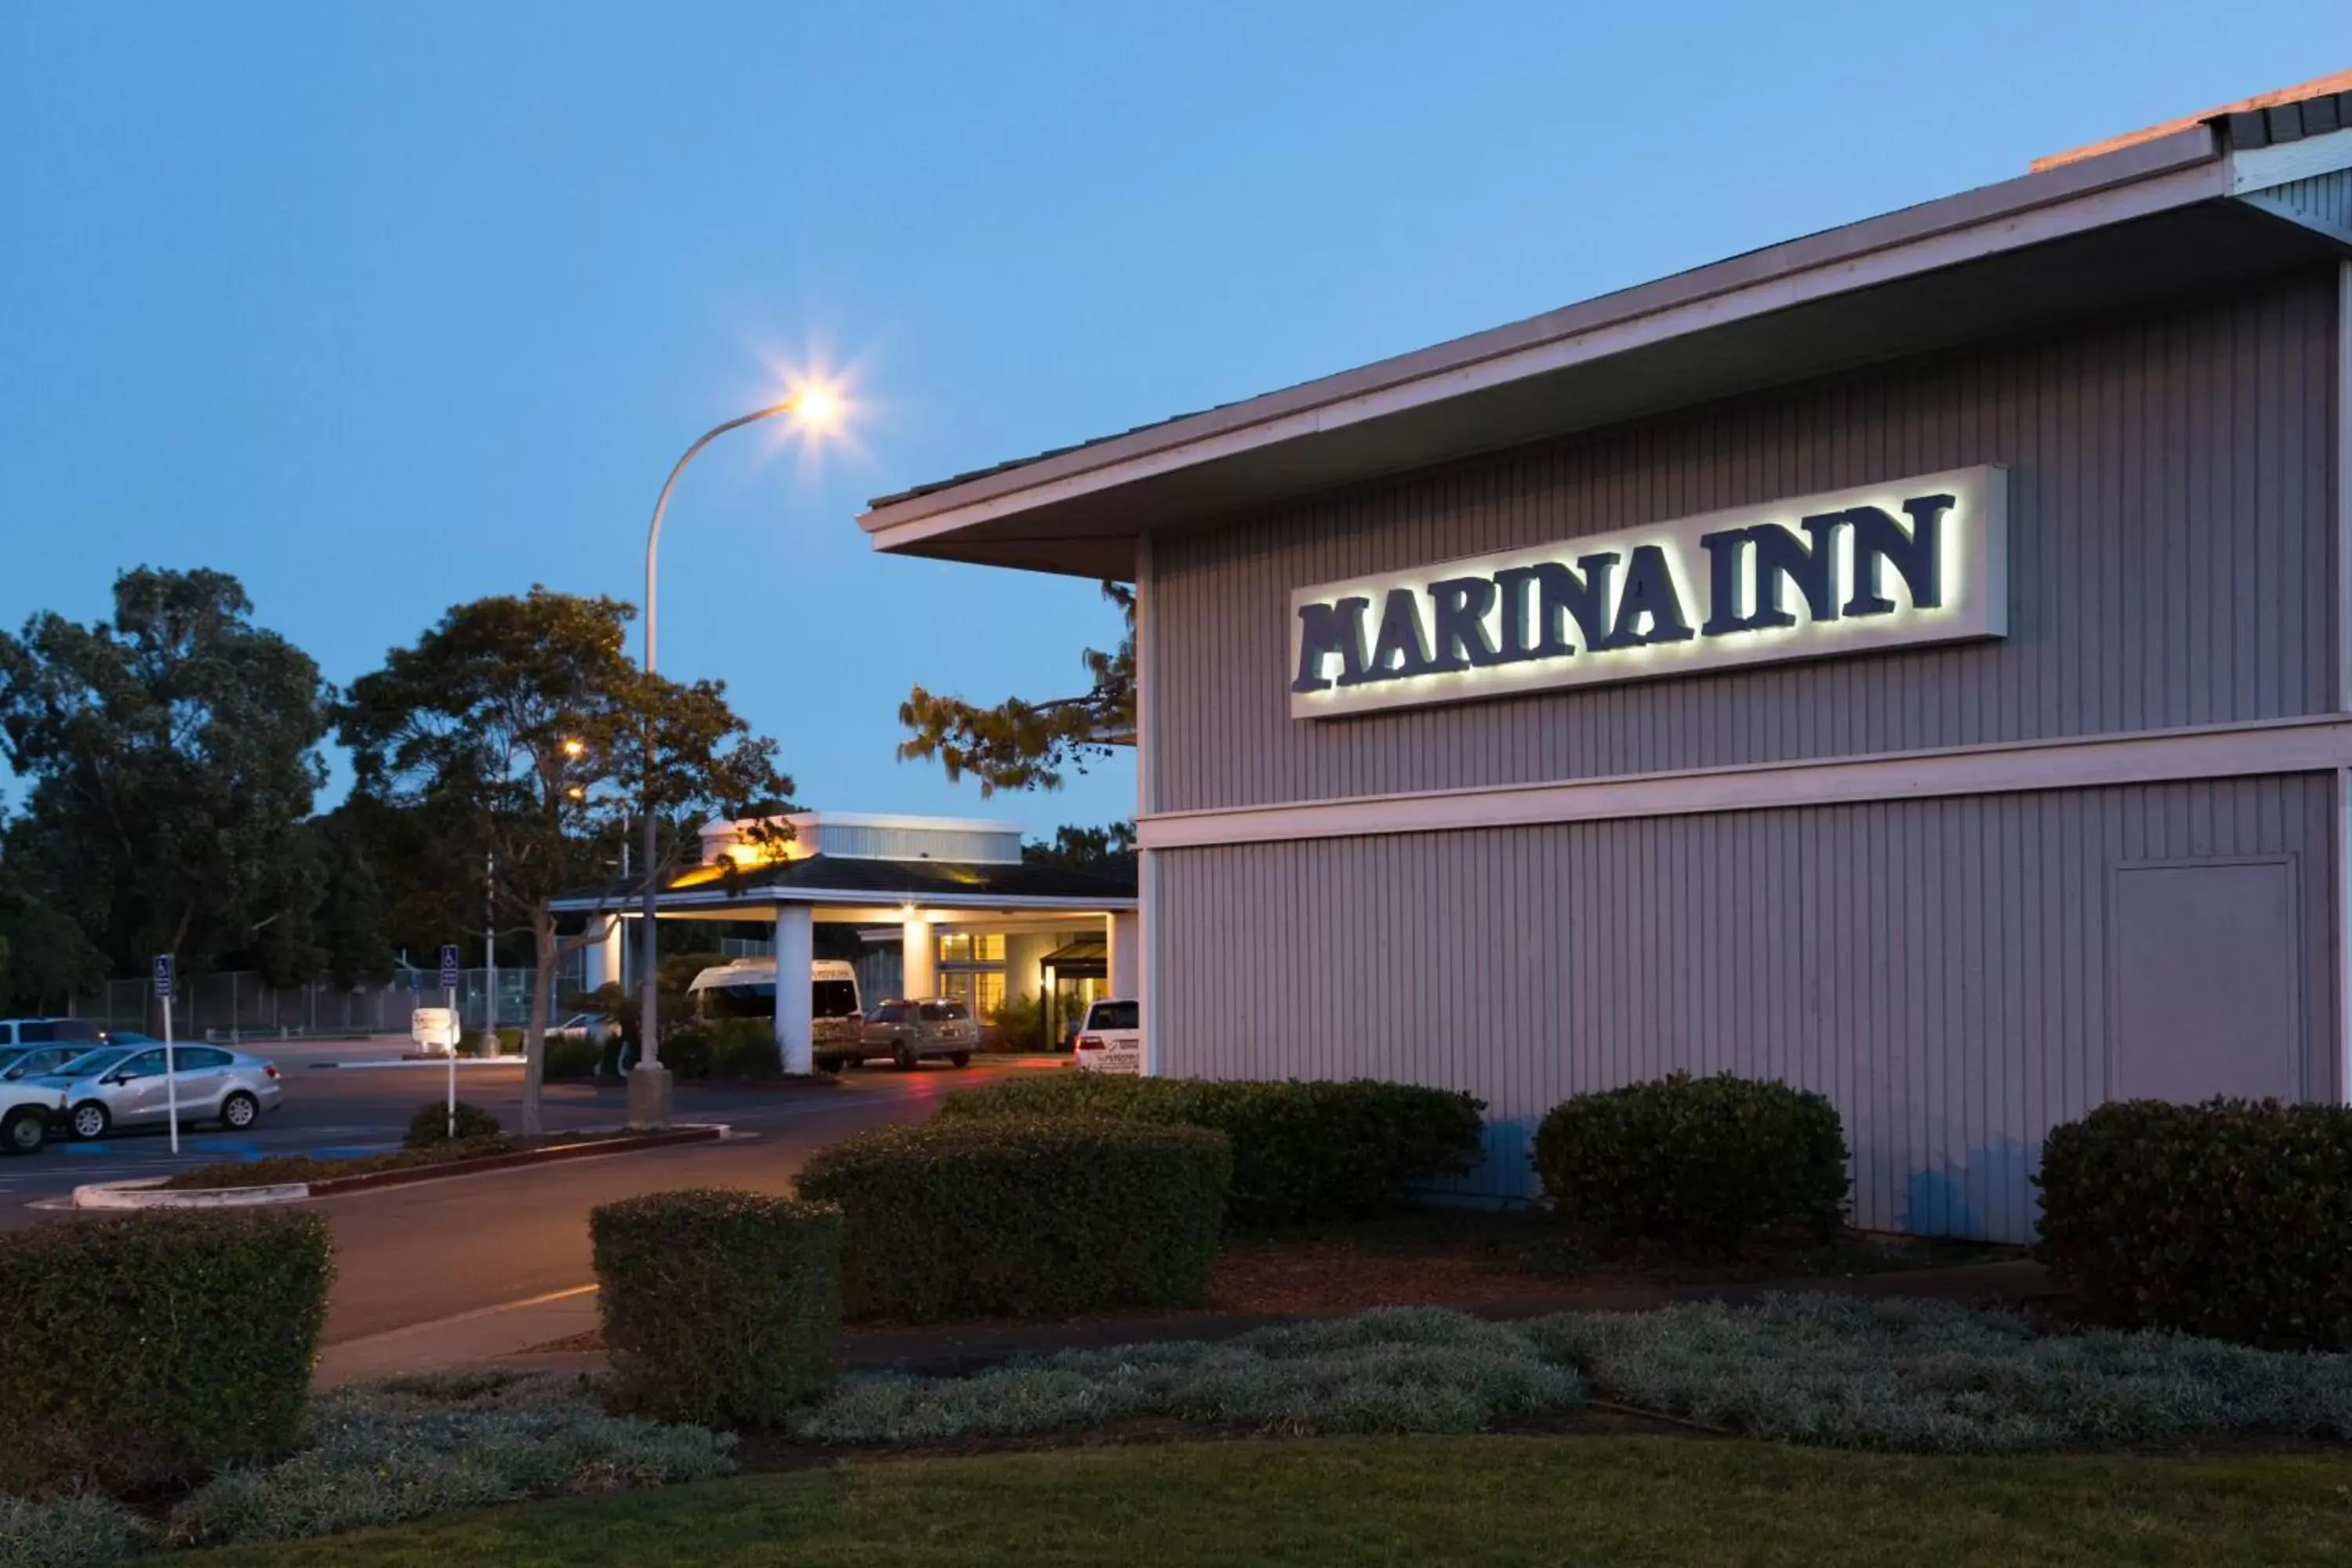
(435, 1029)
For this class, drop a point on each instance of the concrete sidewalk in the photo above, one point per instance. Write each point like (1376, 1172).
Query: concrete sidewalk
(506, 1335)
(469, 1340)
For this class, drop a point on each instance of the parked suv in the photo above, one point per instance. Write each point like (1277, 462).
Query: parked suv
(908, 1030)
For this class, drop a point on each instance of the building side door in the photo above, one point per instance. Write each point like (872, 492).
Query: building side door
(2206, 982)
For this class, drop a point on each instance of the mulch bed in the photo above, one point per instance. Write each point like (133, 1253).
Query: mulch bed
(1443, 1259)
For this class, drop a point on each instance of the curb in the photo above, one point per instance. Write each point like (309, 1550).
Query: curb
(149, 1193)
(420, 1061)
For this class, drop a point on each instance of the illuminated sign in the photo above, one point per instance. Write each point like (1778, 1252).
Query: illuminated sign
(1892, 565)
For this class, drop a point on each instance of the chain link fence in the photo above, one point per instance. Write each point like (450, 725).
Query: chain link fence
(239, 1005)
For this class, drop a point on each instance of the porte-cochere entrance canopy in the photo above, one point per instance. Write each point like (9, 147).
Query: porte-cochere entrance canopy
(949, 887)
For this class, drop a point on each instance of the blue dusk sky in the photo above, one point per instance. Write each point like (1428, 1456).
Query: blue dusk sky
(384, 306)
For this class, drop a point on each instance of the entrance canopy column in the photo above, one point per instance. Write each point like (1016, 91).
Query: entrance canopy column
(1126, 955)
(795, 952)
(917, 958)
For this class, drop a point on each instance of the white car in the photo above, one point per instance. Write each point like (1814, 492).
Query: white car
(1111, 1039)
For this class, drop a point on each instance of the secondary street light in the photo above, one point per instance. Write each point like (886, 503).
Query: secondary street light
(818, 409)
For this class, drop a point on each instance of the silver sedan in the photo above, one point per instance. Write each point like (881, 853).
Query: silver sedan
(127, 1087)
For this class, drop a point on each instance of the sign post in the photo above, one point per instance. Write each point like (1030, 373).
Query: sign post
(458, 1027)
(170, 1053)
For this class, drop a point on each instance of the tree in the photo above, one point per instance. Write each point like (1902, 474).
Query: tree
(171, 751)
(516, 730)
(1020, 744)
(43, 956)
(1078, 848)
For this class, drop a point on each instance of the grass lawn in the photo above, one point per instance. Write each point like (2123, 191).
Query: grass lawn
(1408, 1500)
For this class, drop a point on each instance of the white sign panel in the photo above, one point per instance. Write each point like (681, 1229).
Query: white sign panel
(1892, 565)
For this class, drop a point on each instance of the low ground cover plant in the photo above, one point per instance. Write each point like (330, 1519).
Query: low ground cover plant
(80, 1529)
(2231, 1218)
(1399, 1369)
(1302, 1151)
(1703, 1162)
(402, 1450)
(145, 1350)
(1028, 1217)
(414, 1447)
(720, 1308)
(1910, 1376)
(1932, 1377)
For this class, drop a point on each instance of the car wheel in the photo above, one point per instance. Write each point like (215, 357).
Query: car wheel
(89, 1119)
(904, 1059)
(239, 1111)
(959, 1058)
(25, 1132)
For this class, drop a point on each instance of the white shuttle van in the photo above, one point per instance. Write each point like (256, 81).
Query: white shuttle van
(746, 988)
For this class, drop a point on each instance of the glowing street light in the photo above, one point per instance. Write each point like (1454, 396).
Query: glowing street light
(817, 407)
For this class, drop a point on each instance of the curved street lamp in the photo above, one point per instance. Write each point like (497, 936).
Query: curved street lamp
(817, 407)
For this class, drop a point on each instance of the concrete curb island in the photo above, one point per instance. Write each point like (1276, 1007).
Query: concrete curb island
(149, 1191)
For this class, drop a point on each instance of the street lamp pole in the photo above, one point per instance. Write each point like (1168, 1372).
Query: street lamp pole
(649, 1084)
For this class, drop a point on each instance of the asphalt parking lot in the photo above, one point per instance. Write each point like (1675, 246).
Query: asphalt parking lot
(340, 1110)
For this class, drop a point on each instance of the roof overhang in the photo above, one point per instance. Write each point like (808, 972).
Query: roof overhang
(2165, 218)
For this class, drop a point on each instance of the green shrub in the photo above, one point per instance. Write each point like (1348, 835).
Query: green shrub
(1032, 1217)
(2232, 1219)
(147, 1349)
(720, 1308)
(572, 1055)
(1302, 1151)
(688, 1052)
(724, 1050)
(510, 1041)
(1706, 1161)
(430, 1125)
(1019, 1026)
(743, 1050)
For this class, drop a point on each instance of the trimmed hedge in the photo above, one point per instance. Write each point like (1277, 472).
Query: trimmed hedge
(147, 1349)
(1706, 1161)
(720, 1308)
(725, 1051)
(1030, 1217)
(572, 1055)
(1303, 1150)
(430, 1125)
(2230, 1219)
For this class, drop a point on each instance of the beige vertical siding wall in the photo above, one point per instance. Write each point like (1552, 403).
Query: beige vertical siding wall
(1938, 968)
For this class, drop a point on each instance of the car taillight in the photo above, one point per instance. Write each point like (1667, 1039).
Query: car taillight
(269, 1070)
(1089, 1042)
